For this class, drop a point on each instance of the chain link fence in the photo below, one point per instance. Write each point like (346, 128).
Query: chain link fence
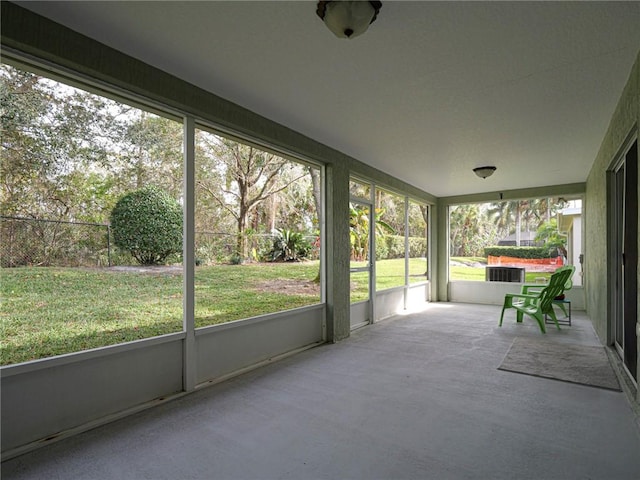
(54, 243)
(214, 248)
(34, 242)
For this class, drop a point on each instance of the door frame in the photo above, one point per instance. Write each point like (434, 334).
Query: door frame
(622, 269)
(362, 312)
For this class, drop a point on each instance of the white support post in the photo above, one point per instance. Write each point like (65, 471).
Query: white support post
(406, 252)
(372, 254)
(188, 258)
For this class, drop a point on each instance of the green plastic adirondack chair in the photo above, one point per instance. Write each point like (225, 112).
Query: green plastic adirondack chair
(538, 304)
(536, 287)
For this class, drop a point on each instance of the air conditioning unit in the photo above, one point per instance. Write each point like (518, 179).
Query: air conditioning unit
(504, 274)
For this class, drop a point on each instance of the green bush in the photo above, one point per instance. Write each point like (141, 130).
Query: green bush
(392, 246)
(235, 259)
(520, 252)
(148, 224)
(289, 246)
(548, 234)
(382, 248)
(417, 247)
(396, 246)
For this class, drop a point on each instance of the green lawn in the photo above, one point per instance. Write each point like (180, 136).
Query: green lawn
(473, 268)
(51, 311)
(389, 274)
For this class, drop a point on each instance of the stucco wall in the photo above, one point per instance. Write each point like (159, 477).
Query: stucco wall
(624, 122)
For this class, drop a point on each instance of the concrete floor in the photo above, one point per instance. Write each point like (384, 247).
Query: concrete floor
(416, 396)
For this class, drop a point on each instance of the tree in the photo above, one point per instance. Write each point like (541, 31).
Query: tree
(31, 151)
(69, 154)
(148, 224)
(359, 229)
(504, 215)
(548, 235)
(418, 225)
(525, 215)
(314, 173)
(152, 152)
(58, 149)
(251, 176)
(463, 229)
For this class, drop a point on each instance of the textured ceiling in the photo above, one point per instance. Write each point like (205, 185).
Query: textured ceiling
(432, 90)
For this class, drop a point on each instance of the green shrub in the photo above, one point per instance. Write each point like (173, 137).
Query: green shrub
(417, 247)
(548, 234)
(289, 246)
(520, 252)
(382, 248)
(235, 259)
(261, 247)
(392, 246)
(396, 246)
(148, 224)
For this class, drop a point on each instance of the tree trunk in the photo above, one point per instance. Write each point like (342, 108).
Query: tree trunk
(317, 194)
(241, 244)
(317, 200)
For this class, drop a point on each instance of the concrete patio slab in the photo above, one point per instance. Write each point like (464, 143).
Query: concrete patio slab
(414, 396)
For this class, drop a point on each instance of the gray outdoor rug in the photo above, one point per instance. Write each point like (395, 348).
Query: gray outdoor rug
(560, 361)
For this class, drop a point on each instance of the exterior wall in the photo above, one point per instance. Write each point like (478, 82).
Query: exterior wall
(389, 302)
(624, 122)
(492, 293)
(43, 399)
(230, 348)
(575, 237)
(574, 245)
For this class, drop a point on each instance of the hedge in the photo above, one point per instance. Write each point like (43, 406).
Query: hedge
(521, 252)
(392, 246)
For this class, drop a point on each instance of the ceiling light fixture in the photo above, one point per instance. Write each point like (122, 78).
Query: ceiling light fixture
(348, 19)
(484, 172)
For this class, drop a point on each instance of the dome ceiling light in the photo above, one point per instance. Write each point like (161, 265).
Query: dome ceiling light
(348, 19)
(484, 172)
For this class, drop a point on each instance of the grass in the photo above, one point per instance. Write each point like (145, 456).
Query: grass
(473, 269)
(457, 272)
(49, 311)
(232, 292)
(389, 274)
(470, 261)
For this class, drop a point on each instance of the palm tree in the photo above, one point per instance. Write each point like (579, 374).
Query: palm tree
(359, 229)
(464, 226)
(504, 214)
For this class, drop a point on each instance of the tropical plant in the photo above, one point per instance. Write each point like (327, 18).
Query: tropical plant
(359, 229)
(524, 215)
(148, 224)
(506, 217)
(549, 235)
(463, 229)
(289, 246)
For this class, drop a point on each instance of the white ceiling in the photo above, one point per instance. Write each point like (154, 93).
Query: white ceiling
(432, 90)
